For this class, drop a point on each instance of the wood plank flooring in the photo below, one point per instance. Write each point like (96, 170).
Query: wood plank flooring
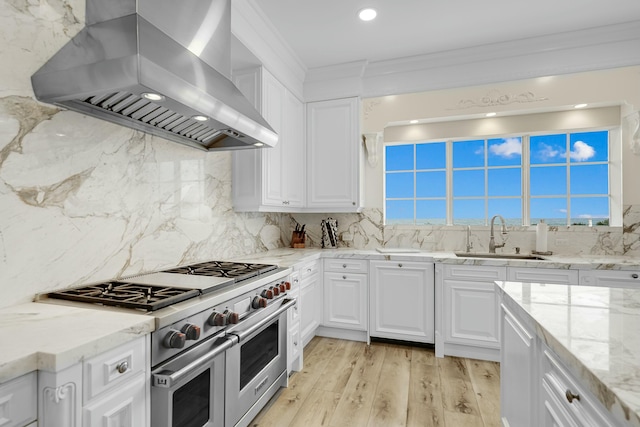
(350, 384)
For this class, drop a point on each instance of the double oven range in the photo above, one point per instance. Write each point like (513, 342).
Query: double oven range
(219, 350)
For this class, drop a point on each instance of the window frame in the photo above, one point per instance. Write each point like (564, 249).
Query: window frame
(614, 164)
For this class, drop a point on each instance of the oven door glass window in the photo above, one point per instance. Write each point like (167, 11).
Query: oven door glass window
(256, 353)
(191, 402)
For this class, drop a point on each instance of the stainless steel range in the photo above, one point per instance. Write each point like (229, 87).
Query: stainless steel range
(218, 353)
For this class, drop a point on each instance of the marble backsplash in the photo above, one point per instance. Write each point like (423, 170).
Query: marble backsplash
(365, 230)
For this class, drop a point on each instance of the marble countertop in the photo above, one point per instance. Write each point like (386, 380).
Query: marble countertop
(50, 337)
(288, 257)
(596, 333)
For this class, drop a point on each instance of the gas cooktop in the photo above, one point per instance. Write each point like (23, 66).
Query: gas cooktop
(129, 295)
(154, 291)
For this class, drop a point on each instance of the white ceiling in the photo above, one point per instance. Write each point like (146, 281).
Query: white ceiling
(328, 32)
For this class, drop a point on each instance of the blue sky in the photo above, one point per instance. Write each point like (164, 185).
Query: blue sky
(552, 156)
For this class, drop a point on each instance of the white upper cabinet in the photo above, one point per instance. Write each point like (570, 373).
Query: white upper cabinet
(333, 155)
(270, 179)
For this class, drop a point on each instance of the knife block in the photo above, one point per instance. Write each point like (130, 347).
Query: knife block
(298, 239)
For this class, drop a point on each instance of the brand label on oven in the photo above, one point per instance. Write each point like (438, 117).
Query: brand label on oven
(160, 380)
(262, 384)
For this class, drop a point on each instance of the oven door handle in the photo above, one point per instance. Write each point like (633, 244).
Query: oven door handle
(286, 305)
(169, 379)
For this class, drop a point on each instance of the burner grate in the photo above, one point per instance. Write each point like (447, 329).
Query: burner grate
(233, 270)
(128, 295)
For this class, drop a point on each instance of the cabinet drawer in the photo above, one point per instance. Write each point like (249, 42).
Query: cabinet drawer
(543, 275)
(113, 368)
(585, 409)
(294, 312)
(346, 265)
(18, 405)
(611, 278)
(308, 269)
(476, 273)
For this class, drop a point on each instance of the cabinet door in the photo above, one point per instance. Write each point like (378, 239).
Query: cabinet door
(273, 113)
(470, 313)
(310, 307)
(293, 165)
(402, 301)
(345, 301)
(333, 155)
(517, 376)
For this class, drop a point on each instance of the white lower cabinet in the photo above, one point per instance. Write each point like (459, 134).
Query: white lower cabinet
(469, 312)
(294, 343)
(402, 301)
(310, 300)
(345, 300)
(110, 389)
(18, 401)
(517, 372)
(536, 388)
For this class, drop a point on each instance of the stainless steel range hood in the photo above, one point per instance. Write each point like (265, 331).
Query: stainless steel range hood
(159, 66)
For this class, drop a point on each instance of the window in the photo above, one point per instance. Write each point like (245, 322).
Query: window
(562, 178)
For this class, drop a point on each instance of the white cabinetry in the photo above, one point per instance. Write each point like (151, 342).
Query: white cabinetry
(18, 401)
(469, 313)
(543, 275)
(270, 179)
(110, 389)
(611, 278)
(294, 342)
(334, 155)
(517, 372)
(345, 299)
(310, 300)
(402, 301)
(536, 388)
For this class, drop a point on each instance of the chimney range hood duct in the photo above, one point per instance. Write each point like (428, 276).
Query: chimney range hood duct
(159, 66)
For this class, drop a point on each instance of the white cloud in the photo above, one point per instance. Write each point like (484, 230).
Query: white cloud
(547, 152)
(563, 210)
(509, 148)
(582, 151)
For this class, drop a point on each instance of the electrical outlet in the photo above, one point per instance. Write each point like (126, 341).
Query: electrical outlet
(347, 237)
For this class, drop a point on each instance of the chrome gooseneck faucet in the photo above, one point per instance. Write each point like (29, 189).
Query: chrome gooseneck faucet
(492, 241)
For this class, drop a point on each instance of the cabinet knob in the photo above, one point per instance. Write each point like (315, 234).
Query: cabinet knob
(122, 367)
(400, 265)
(634, 275)
(571, 396)
(344, 277)
(344, 265)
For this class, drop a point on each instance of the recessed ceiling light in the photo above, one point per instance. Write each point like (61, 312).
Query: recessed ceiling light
(200, 118)
(579, 105)
(152, 96)
(413, 122)
(490, 114)
(258, 144)
(367, 14)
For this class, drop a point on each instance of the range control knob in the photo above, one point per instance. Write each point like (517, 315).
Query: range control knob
(276, 290)
(283, 288)
(232, 318)
(287, 285)
(216, 319)
(174, 339)
(259, 302)
(267, 293)
(191, 331)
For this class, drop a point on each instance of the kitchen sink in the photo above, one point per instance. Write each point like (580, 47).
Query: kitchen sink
(498, 256)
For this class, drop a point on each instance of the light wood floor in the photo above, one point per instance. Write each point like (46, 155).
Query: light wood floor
(350, 384)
